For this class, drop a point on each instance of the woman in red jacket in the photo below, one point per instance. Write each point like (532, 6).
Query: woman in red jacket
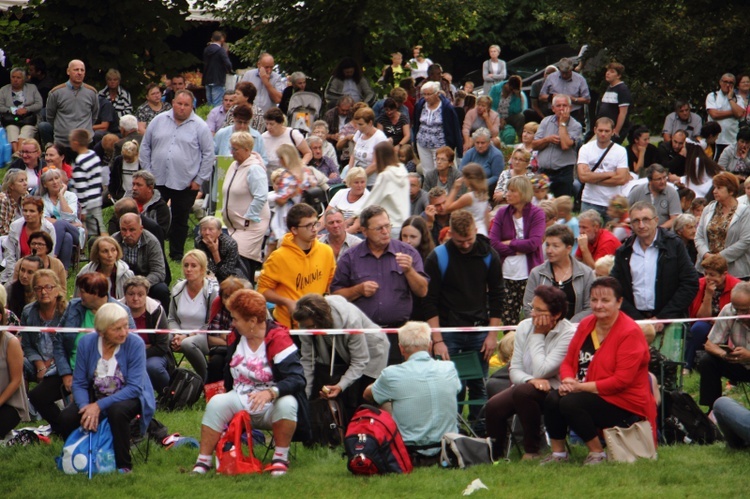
(604, 376)
(714, 291)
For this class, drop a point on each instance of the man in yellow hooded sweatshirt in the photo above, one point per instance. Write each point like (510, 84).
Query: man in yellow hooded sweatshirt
(300, 265)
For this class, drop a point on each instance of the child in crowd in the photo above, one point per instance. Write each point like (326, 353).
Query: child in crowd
(696, 207)
(407, 157)
(686, 198)
(87, 181)
(619, 220)
(564, 205)
(279, 208)
(603, 266)
(540, 181)
(476, 200)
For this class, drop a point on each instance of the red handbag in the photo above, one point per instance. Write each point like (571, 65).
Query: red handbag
(230, 460)
(214, 388)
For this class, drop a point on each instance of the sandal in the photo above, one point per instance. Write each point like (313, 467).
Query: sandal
(277, 467)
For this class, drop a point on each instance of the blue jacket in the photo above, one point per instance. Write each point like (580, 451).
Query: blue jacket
(64, 343)
(492, 161)
(131, 359)
(451, 126)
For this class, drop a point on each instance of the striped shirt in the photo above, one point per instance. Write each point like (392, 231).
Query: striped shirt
(87, 180)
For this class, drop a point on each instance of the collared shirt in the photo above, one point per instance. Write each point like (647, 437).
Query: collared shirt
(692, 127)
(643, 270)
(178, 154)
(737, 330)
(215, 119)
(349, 242)
(130, 253)
(263, 100)
(667, 202)
(575, 87)
(553, 157)
(222, 147)
(423, 392)
(718, 101)
(392, 302)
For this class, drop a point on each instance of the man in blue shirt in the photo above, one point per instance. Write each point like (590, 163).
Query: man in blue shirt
(178, 149)
(420, 394)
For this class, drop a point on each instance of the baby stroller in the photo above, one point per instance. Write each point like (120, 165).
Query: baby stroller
(303, 110)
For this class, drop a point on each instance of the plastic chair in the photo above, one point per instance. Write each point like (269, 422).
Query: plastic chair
(469, 368)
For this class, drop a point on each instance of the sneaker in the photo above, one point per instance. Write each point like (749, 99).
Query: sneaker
(277, 467)
(595, 458)
(552, 458)
(200, 468)
(124, 471)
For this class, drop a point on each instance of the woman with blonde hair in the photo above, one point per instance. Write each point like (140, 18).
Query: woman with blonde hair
(190, 309)
(122, 170)
(13, 190)
(619, 218)
(352, 199)
(106, 259)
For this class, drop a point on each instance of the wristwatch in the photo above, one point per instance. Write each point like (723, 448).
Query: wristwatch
(274, 392)
(564, 125)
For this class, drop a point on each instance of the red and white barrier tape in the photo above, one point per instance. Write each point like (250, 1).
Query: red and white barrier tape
(312, 332)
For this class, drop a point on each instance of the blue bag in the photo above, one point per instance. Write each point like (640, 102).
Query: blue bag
(88, 452)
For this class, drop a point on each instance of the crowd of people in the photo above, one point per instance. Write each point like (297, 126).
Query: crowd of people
(427, 229)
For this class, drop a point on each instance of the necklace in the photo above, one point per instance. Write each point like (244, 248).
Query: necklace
(566, 275)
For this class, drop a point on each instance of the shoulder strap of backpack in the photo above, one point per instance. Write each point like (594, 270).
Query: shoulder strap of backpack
(291, 136)
(442, 255)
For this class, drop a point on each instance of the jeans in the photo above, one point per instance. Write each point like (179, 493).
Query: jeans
(67, 236)
(561, 181)
(734, 422)
(469, 342)
(46, 132)
(696, 339)
(156, 367)
(214, 94)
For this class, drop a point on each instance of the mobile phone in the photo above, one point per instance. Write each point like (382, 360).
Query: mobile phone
(726, 348)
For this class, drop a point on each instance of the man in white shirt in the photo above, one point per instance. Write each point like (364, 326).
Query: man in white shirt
(602, 167)
(268, 82)
(722, 107)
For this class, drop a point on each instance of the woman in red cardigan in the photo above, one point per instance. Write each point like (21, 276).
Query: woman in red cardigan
(604, 376)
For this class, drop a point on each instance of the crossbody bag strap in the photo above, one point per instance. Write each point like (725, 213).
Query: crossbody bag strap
(598, 163)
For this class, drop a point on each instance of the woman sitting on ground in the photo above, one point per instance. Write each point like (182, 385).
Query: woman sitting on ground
(20, 290)
(41, 245)
(540, 346)
(220, 248)
(79, 313)
(110, 381)
(14, 406)
(359, 358)
(264, 377)
(149, 314)
(17, 244)
(605, 380)
(189, 309)
(61, 210)
(13, 190)
(46, 311)
(106, 259)
(54, 159)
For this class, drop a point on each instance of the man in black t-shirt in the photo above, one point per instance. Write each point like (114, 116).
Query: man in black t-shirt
(616, 100)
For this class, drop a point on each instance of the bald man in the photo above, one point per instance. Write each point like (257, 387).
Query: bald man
(267, 82)
(72, 104)
(143, 254)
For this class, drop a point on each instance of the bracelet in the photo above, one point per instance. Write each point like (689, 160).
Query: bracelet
(42, 369)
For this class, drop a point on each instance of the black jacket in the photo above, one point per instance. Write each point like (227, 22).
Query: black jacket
(216, 65)
(676, 277)
(461, 297)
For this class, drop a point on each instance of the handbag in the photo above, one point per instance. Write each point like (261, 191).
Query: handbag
(214, 388)
(626, 445)
(230, 459)
(460, 451)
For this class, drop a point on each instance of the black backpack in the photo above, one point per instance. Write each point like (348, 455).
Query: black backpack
(183, 392)
(326, 423)
(684, 421)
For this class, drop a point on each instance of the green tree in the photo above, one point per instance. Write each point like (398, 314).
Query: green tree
(673, 49)
(314, 35)
(128, 35)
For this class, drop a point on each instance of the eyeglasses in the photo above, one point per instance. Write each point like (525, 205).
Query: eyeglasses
(641, 221)
(37, 245)
(727, 82)
(380, 228)
(28, 152)
(48, 288)
(309, 226)
(241, 122)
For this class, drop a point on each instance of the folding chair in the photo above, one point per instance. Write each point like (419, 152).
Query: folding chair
(140, 444)
(671, 344)
(469, 368)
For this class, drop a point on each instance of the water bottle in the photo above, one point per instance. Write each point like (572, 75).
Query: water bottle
(105, 461)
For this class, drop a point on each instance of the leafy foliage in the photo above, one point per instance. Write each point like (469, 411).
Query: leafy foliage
(130, 36)
(314, 35)
(673, 49)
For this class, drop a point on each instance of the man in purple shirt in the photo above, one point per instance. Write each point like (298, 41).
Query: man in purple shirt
(380, 276)
(217, 116)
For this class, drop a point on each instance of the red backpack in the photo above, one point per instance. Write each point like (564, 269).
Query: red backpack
(374, 445)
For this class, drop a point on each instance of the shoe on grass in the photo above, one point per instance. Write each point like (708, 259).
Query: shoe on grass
(552, 458)
(595, 458)
(277, 467)
(200, 468)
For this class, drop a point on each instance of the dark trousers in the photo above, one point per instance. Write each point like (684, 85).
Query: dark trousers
(470, 342)
(561, 181)
(43, 398)
(120, 414)
(712, 369)
(584, 413)
(251, 266)
(9, 418)
(181, 207)
(524, 400)
(696, 339)
(67, 236)
(351, 398)
(160, 292)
